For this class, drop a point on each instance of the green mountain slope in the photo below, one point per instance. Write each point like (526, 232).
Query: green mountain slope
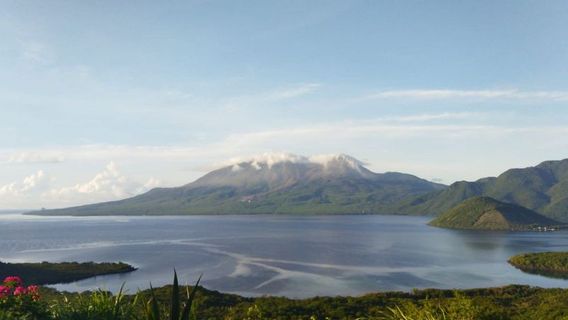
(543, 188)
(298, 185)
(484, 213)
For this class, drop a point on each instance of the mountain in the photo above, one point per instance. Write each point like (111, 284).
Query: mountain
(543, 188)
(280, 183)
(484, 213)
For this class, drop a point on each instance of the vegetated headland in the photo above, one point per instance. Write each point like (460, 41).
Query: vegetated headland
(43, 273)
(550, 264)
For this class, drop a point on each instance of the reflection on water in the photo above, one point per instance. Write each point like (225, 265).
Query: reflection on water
(279, 255)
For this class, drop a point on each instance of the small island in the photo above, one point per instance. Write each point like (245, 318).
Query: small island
(550, 264)
(43, 273)
(485, 213)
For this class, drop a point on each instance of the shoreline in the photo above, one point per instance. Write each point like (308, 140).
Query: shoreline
(57, 273)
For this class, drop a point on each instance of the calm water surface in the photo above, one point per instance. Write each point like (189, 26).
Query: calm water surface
(279, 255)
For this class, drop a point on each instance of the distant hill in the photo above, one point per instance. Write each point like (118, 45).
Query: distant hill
(543, 188)
(484, 213)
(337, 184)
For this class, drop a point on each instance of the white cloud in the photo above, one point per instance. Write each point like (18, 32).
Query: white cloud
(109, 184)
(268, 158)
(293, 92)
(417, 144)
(326, 159)
(236, 168)
(148, 185)
(36, 52)
(274, 96)
(24, 188)
(33, 157)
(231, 146)
(432, 116)
(271, 158)
(346, 133)
(38, 189)
(342, 135)
(33, 182)
(438, 94)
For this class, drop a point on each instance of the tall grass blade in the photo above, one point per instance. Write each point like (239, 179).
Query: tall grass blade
(174, 312)
(154, 313)
(189, 301)
(117, 302)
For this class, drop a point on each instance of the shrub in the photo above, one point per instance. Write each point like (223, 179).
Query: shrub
(99, 305)
(154, 311)
(20, 302)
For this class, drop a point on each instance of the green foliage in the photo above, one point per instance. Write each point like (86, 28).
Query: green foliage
(413, 312)
(513, 302)
(102, 305)
(506, 303)
(486, 213)
(254, 313)
(153, 310)
(460, 308)
(541, 188)
(551, 264)
(99, 305)
(20, 302)
(63, 272)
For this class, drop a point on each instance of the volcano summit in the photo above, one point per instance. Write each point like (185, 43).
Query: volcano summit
(273, 184)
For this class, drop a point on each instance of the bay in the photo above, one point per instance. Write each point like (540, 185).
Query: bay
(278, 255)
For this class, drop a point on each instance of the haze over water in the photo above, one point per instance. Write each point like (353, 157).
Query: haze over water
(279, 255)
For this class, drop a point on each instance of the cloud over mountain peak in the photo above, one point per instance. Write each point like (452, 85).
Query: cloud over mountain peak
(269, 159)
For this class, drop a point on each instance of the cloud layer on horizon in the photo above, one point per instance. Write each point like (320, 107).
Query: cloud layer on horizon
(444, 146)
(39, 189)
(434, 94)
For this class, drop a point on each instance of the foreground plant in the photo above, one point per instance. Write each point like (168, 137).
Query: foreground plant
(103, 305)
(20, 302)
(99, 305)
(397, 313)
(153, 310)
(459, 307)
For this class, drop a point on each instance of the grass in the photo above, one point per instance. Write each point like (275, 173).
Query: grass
(102, 305)
(506, 303)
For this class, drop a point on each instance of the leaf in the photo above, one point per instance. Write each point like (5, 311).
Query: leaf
(117, 301)
(154, 308)
(189, 301)
(174, 313)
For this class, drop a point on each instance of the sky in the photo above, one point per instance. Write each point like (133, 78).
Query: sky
(102, 100)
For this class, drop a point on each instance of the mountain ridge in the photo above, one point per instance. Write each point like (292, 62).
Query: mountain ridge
(336, 184)
(542, 188)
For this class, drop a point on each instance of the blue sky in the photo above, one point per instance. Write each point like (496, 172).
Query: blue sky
(101, 100)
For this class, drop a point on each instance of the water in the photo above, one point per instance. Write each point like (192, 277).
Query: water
(279, 255)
